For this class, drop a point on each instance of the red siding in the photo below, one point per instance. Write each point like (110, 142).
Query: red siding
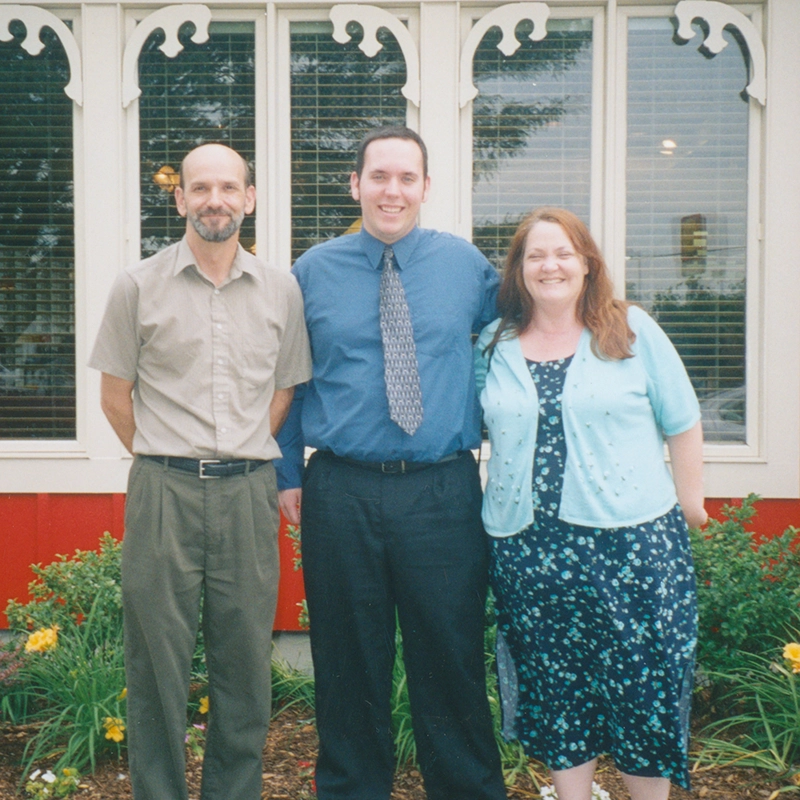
(773, 516)
(34, 528)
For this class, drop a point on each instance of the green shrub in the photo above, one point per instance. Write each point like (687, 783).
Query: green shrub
(748, 587)
(64, 592)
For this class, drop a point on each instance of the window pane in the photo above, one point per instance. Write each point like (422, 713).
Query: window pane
(337, 95)
(205, 94)
(531, 129)
(687, 209)
(37, 243)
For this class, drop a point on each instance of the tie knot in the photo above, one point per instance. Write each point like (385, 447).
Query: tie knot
(388, 256)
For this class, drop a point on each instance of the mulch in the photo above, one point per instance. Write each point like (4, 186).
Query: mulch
(289, 763)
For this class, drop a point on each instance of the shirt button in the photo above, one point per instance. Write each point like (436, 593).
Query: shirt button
(216, 291)
(219, 326)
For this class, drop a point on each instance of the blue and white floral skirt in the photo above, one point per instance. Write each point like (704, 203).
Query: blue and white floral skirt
(597, 628)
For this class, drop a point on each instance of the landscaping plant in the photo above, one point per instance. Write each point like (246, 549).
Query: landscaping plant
(73, 686)
(64, 592)
(64, 669)
(47, 784)
(748, 587)
(762, 729)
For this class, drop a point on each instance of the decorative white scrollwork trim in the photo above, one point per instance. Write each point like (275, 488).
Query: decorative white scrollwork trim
(35, 19)
(718, 15)
(169, 20)
(506, 18)
(371, 18)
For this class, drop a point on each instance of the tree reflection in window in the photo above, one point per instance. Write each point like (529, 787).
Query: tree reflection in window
(338, 94)
(37, 243)
(687, 163)
(531, 128)
(205, 94)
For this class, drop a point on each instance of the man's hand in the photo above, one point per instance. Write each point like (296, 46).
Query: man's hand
(289, 501)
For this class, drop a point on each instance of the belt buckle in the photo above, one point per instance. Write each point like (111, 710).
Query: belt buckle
(393, 467)
(202, 467)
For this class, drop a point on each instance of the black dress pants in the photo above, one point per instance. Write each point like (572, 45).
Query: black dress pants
(411, 545)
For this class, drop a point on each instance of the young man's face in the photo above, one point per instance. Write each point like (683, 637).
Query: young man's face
(391, 188)
(214, 197)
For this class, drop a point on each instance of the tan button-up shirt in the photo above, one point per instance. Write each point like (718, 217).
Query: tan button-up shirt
(205, 360)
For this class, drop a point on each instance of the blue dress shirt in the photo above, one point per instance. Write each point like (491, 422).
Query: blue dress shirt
(451, 290)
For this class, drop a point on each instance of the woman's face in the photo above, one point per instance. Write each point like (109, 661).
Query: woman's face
(551, 269)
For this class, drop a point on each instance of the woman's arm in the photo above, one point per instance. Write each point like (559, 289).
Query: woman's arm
(686, 456)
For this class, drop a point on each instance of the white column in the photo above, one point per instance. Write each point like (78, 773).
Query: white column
(439, 57)
(100, 159)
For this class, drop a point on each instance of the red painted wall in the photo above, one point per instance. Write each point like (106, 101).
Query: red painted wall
(35, 528)
(772, 517)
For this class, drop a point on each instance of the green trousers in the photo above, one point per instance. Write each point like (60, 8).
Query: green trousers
(187, 539)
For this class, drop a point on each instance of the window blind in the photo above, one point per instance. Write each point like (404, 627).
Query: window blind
(37, 243)
(338, 94)
(531, 127)
(205, 94)
(687, 209)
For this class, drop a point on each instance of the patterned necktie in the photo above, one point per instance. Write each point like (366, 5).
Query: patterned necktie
(399, 351)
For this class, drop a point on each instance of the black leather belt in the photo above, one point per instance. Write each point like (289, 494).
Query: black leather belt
(393, 467)
(206, 468)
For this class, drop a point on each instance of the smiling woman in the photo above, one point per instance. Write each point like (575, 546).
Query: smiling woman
(551, 269)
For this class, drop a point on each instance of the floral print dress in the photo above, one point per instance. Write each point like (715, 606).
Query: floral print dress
(597, 628)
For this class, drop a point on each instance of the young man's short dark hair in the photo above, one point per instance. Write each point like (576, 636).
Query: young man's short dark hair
(391, 132)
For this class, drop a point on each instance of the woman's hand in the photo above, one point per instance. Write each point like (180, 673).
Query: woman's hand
(686, 457)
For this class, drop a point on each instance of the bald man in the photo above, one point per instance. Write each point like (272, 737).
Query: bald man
(200, 348)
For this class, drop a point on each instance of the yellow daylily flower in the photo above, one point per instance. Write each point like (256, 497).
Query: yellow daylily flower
(204, 705)
(791, 652)
(114, 728)
(41, 640)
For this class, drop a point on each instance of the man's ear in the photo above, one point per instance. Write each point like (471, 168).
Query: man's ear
(250, 199)
(180, 202)
(355, 191)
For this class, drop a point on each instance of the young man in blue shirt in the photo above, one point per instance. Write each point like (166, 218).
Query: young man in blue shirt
(391, 509)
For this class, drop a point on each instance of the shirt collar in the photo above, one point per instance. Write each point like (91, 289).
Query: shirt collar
(403, 248)
(243, 262)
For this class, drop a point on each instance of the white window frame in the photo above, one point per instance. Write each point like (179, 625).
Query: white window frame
(731, 469)
(105, 190)
(77, 447)
(750, 452)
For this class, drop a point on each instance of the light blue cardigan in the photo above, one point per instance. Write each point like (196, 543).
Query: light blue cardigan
(615, 416)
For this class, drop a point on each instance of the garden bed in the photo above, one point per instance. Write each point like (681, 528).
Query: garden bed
(288, 765)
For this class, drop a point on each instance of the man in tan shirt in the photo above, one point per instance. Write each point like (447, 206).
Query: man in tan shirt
(200, 349)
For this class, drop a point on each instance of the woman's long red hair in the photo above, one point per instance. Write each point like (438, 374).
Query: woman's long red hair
(604, 316)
